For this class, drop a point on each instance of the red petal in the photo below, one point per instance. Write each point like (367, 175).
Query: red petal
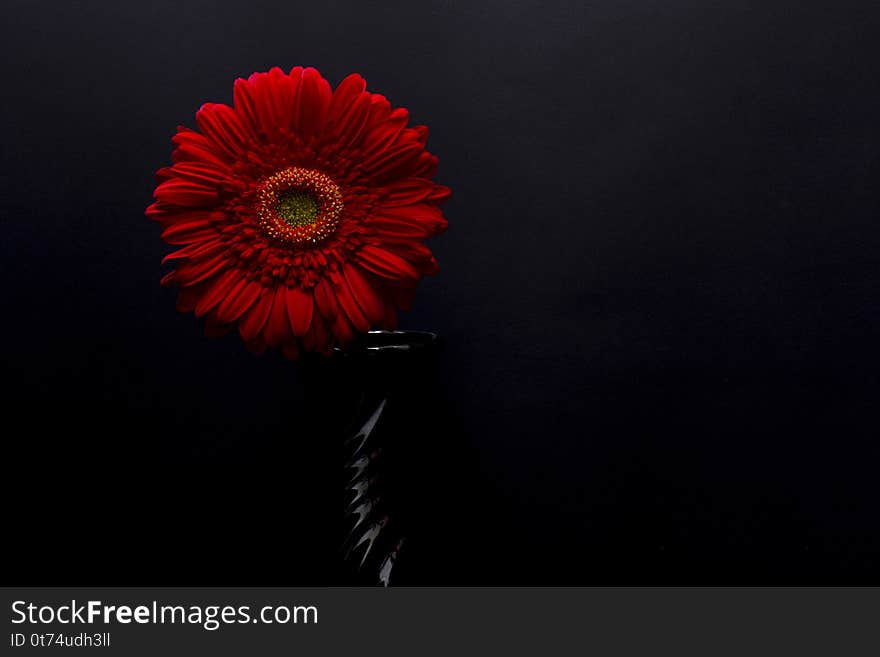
(344, 100)
(364, 290)
(295, 76)
(222, 125)
(342, 329)
(380, 130)
(166, 215)
(385, 264)
(395, 162)
(219, 288)
(414, 190)
(426, 167)
(300, 308)
(422, 213)
(185, 232)
(392, 230)
(208, 175)
(348, 303)
(420, 133)
(186, 193)
(239, 301)
(255, 319)
(313, 104)
(190, 273)
(384, 132)
(317, 337)
(277, 329)
(195, 250)
(325, 299)
(245, 104)
(414, 252)
(156, 212)
(351, 122)
(192, 146)
(274, 100)
(409, 222)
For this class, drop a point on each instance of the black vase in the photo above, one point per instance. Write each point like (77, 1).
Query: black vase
(401, 494)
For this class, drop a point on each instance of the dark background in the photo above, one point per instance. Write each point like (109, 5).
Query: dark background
(658, 294)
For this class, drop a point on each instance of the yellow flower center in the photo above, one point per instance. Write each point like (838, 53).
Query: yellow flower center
(299, 206)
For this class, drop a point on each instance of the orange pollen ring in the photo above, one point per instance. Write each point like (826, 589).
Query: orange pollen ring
(327, 197)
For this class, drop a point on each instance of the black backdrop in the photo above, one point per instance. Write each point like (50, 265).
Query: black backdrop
(658, 293)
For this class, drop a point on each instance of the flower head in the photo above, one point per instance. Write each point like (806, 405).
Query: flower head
(301, 212)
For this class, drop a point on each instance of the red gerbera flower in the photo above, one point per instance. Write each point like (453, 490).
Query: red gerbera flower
(302, 212)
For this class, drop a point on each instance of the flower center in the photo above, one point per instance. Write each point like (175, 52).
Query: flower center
(299, 206)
